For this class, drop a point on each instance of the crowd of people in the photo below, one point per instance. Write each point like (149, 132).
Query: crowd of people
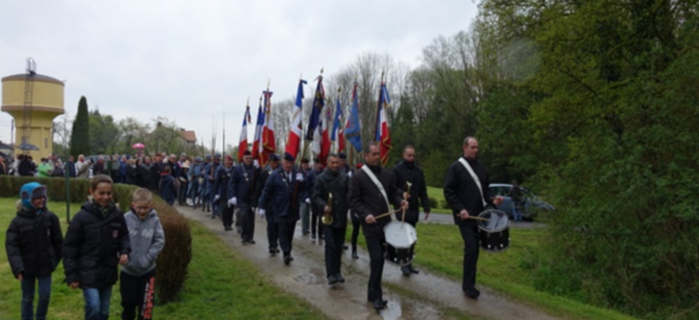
(282, 193)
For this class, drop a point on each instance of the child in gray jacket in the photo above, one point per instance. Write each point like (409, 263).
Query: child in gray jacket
(147, 240)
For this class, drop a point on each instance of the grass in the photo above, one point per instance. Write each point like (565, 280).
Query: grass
(221, 285)
(440, 249)
(437, 194)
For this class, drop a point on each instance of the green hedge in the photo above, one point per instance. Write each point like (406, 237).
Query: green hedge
(173, 261)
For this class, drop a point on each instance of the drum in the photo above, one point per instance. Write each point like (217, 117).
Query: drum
(494, 234)
(400, 242)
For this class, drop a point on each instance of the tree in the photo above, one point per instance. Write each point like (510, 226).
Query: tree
(80, 134)
(104, 133)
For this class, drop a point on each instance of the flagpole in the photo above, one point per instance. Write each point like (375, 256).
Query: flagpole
(305, 142)
(223, 135)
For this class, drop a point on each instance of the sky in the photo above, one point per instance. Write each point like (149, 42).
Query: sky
(194, 61)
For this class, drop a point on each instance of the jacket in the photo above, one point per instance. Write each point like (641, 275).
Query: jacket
(336, 183)
(242, 184)
(221, 178)
(279, 193)
(209, 177)
(260, 185)
(407, 172)
(34, 243)
(132, 175)
(93, 244)
(461, 191)
(168, 186)
(365, 198)
(147, 240)
(155, 170)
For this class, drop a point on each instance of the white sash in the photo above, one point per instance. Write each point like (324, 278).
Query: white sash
(377, 183)
(475, 178)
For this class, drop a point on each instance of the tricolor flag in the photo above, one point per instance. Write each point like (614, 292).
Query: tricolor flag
(267, 143)
(337, 133)
(353, 128)
(383, 136)
(243, 141)
(258, 133)
(321, 136)
(294, 142)
(318, 104)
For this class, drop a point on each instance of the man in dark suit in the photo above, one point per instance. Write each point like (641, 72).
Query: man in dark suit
(284, 189)
(272, 230)
(406, 171)
(371, 189)
(466, 191)
(241, 193)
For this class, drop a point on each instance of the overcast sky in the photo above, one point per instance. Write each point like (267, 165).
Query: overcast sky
(192, 60)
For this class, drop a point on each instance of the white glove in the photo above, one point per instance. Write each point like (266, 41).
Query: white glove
(261, 212)
(349, 174)
(256, 163)
(299, 176)
(232, 202)
(308, 200)
(216, 197)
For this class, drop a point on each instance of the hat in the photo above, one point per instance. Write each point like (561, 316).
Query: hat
(247, 153)
(185, 164)
(274, 157)
(30, 191)
(342, 155)
(217, 155)
(288, 157)
(208, 157)
(197, 159)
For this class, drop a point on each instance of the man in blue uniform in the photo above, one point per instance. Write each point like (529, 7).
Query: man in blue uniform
(284, 189)
(272, 231)
(209, 174)
(241, 193)
(221, 182)
(196, 180)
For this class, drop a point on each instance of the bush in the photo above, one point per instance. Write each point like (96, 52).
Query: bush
(433, 202)
(173, 261)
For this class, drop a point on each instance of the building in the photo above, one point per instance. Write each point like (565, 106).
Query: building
(189, 137)
(33, 100)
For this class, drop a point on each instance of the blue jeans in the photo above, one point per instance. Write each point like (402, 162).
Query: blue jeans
(97, 303)
(28, 297)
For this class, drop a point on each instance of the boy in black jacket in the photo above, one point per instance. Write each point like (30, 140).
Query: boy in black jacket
(96, 242)
(33, 244)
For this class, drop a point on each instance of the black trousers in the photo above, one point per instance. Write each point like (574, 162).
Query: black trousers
(356, 225)
(227, 215)
(315, 221)
(137, 292)
(182, 195)
(334, 241)
(272, 231)
(470, 236)
(286, 235)
(247, 222)
(377, 248)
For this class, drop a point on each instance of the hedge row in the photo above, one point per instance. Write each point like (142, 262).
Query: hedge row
(173, 261)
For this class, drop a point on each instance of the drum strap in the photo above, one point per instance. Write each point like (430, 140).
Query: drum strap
(378, 184)
(475, 179)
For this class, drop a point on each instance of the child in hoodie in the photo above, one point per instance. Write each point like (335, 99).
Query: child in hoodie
(147, 241)
(33, 245)
(168, 186)
(96, 242)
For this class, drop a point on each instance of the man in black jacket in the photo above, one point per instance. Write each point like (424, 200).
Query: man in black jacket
(468, 197)
(407, 172)
(368, 199)
(336, 183)
(241, 193)
(155, 169)
(272, 230)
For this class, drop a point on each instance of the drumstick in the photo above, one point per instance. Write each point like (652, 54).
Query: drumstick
(478, 218)
(387, 214)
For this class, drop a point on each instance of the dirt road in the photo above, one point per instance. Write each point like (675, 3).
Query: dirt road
(423, 296)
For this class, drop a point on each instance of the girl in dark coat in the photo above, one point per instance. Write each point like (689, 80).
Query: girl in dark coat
(33, 245)
(168, 186)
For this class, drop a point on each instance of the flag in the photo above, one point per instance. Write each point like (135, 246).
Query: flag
(321, 137)
(294, 142)
(353, 128)
(243, 140)
(337, 133)
(267, 144)
(258, 133)
(318, 104)
(383, 136)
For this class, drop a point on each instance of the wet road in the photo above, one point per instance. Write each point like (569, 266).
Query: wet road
(424, 296)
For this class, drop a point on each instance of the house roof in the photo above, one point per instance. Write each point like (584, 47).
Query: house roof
(189, 136)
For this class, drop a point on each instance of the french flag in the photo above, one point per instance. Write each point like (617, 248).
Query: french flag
(258, 133)
(293, 144)
(267, 144)
(383, 136)
(243, 141)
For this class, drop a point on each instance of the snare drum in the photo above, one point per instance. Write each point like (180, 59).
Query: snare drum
(494, 234)
(400, 242)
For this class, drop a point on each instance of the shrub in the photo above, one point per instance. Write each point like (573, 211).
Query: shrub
(173, 261)
(433, 202)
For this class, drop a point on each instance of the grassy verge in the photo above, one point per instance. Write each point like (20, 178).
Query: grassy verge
(221, 285)
(440, 249)
(437, 194)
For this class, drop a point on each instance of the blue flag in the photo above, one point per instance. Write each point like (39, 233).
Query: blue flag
(336, 123)
(353, 129)
(318, 104)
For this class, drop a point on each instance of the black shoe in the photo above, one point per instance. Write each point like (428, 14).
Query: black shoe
(405, 270)
(380, 304)
(272, 252)
(472, 293)
(354, 254)
(276, 250)
(305, 233)
(345, 247)
(413, 270)
(332, 279)
(287, 259)
(251, 241)
(228, 228)
(340, 278)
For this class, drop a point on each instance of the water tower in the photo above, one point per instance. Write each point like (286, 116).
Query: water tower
(33, 100)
